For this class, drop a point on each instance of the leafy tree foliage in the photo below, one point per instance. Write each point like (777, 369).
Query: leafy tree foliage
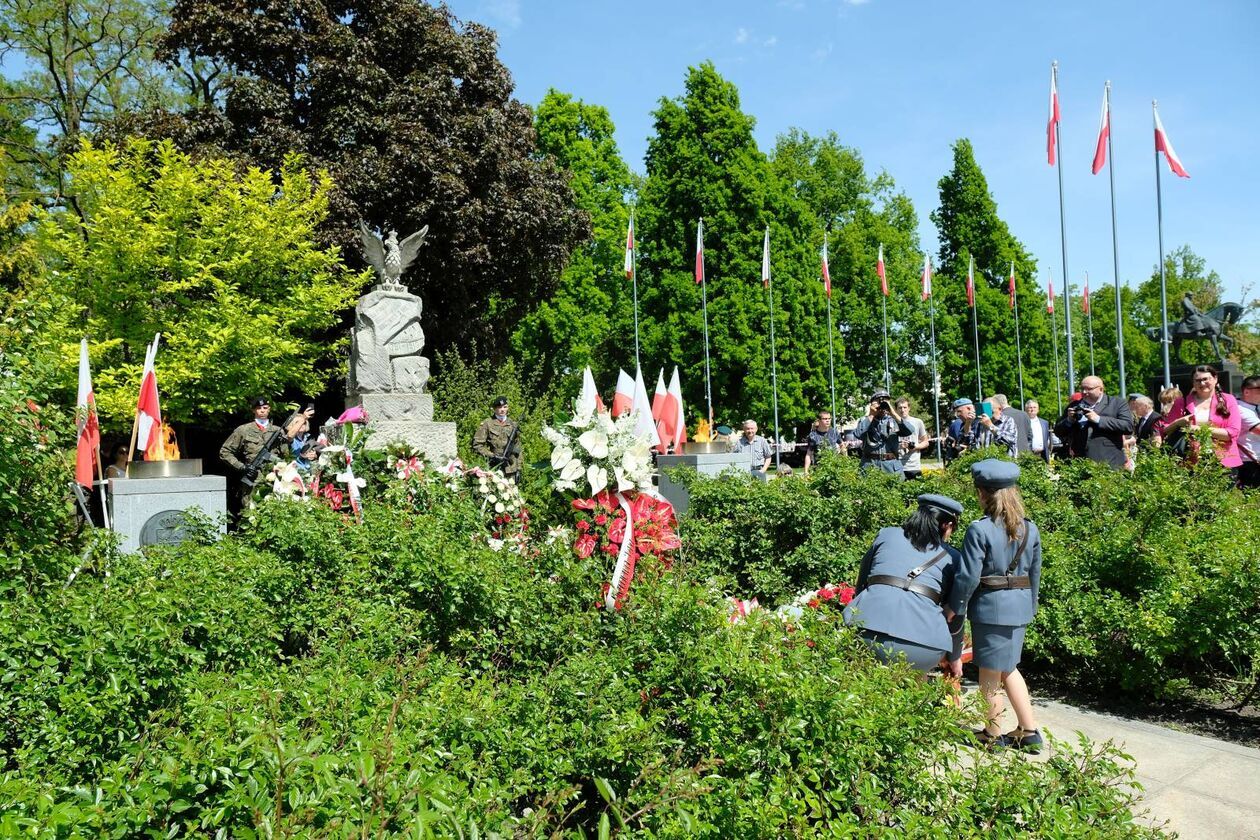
(223, 264)
(412, 114)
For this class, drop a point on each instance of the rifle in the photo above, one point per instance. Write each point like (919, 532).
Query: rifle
(265, 455)
(506, 458)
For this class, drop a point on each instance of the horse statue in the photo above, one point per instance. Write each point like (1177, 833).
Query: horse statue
(1197, 326)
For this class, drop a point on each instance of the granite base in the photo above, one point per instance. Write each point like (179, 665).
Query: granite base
(150, 511)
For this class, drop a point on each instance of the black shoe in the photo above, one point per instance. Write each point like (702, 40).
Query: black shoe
(1025, 740)
(987, 739)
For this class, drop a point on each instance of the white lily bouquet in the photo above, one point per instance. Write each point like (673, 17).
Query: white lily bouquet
(594, 449)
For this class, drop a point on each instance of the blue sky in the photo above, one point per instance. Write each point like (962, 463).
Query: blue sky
(901, 80)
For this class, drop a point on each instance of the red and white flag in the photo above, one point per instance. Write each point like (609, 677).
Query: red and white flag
(642, 409)
(971, 282)
(88, 449)
(927, 277)
(826, 269)
(589, 400)
(1050, 296)
(879, 269)
(623, 397)
(661, 414)
(700, 251)
(149, 437)
(658, 398)
(678, 427)
(1054, 113)
(630, 248)
(1163, 144)
(765, 261)
(1085, 295)
(1104, 131)
(1011, 291)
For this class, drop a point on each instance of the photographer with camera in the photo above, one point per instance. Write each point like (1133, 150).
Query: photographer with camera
(1095, 426)
(253, 445)
(498, 441)
(879, 435)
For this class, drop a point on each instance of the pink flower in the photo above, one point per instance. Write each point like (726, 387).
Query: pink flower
(354, 414)
(585, 545)
(583, 504)
(601, 518)
(583, 526)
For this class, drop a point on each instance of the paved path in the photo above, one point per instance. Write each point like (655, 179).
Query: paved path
(1203, 787)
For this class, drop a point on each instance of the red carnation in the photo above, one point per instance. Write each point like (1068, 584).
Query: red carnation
(600, 518)
(583, 526)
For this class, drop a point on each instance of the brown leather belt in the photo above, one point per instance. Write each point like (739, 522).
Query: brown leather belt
(908, 585)
(1006, 582)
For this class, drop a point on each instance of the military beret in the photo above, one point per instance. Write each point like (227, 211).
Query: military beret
(499, 401)
(961, 401)
(993, 474)
(880, 394)
(942, 503)
(259, 402)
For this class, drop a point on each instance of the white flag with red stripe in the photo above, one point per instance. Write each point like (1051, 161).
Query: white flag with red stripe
(674, 406)
(971, 282)
(88, 448)
(927, 277)
(826, 269)
(1011, 290)
(879, 270)
(1053, 121)
(700, 252)
(765, 261)
(644, 427)
(661, 414)
(1163, 144)
(589, 401)
(1104, 131)
(1050, 296)
(1085, 295)
(149, 437)
(623, 397)
(630, 248)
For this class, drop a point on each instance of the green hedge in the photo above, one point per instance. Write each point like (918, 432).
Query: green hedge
(312, 677)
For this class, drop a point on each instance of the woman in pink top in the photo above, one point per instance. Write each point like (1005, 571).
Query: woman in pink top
(1206, 404)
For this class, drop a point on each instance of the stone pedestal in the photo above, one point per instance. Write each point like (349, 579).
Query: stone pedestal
(408, 419)
(150, 511)
(714, 464)
(1182, 376)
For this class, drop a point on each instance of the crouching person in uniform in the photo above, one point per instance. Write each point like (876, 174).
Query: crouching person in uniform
(996, 588)
(906, 575)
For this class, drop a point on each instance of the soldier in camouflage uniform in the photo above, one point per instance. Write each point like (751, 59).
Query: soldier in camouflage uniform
(493, 438)
(248, 439)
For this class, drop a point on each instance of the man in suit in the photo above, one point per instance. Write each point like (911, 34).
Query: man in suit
(1095, 426)
(1023, 425)
(1040, 441)
(1144, 416)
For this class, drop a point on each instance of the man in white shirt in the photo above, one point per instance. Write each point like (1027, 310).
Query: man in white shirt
(1041, 441)
(913, 445)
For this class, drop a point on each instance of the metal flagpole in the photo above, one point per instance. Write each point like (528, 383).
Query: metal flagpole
(774, 369)
(634, 280)
(1115, 254)
(831, 344)
(1067, 311)
(1019, 353)
(883, 279)
(704, 305)
(936, 381)
(1058, 377)
(975, 327)
(1163, 280)
(1089, 328)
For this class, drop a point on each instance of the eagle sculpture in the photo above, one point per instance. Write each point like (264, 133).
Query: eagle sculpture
(390, 257)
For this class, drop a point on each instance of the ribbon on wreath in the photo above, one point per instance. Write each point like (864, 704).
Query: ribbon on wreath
(623, 572)
(658, 514)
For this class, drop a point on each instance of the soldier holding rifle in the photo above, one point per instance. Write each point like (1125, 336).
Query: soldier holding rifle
(252, 445)
(498, 441)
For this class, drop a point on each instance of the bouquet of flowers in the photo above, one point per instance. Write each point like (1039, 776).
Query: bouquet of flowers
(601, 452)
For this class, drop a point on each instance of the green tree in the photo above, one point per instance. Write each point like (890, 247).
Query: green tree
(703, 162)
(223, 264)
(589, 320)
(969, 227)
(412, 114)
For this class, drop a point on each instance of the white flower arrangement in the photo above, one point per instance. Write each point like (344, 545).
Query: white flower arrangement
(605, 452)
(497, 493)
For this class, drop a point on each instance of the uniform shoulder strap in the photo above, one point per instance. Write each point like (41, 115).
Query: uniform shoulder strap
(1023, 543)
(918, 570)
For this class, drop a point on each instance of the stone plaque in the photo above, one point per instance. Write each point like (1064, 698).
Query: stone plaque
(166, 528)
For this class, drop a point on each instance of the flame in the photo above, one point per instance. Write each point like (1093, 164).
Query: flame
(704, 431)
(163, 446)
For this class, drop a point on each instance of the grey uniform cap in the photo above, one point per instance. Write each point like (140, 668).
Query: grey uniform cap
(942, 503)
(961, 401)
(993, 474)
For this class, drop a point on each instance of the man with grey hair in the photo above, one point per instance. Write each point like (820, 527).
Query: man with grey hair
(1041, 441)
(1023, 426)
(999, 429)
(757, 448)
(1144, 416)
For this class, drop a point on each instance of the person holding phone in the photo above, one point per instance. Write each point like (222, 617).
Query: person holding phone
(997, 428)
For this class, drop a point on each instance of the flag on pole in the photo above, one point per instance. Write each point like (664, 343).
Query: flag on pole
(879, 269)
(149, 437)
(971, 283)
(1011, 291)
(678, 428)
(658, 398)
(1163, 144)
(661, 416)
(1085, 295)
(765, 261)
(1104, 131)
(642, 410)
(589, 401)
(927, 276)
(87, 450)
(1054, 114)
(623, 397)
(700, 252)
(1050, 296)
(826, 270)
(630, 248)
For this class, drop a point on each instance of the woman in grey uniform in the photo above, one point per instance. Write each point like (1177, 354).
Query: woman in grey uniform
(996, 588)
(906, 575)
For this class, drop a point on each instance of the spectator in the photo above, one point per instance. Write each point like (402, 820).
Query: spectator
(879, 435)
(117, 462)
(1094, 426)
(912, 446)
(1023, 424)
(757, 447)
(961, 435)
(1207, 405)
(1041, 441)
(1249, 442)
(1000, 429)
(1167, 399)
(822, 437)
(1145, 417)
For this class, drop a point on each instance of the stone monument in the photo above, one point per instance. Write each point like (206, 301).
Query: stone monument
(1196, 325)
(387, 373)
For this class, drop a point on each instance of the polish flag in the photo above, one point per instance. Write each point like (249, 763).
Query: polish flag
(927, 276)
(1163, 144)
(678, 426)
(658, 398)
(1085, 295)
(630, 248)
(971, 283)
(623, 397)
(765, 261)
(1054, 113)
(641, 408)
(700, 252)
(1011, 293)
(88, 449)
(1050, 296)
(1104, 131)
(826, 270)
(149, 437)
(879, 270)
(662, 413)
(589, 400)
